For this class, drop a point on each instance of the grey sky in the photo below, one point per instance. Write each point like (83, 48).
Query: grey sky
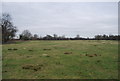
(65, 18)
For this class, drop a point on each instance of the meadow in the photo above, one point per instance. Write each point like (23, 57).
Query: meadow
(60, 59)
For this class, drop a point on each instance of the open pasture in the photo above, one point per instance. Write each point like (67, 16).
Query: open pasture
(70, 59)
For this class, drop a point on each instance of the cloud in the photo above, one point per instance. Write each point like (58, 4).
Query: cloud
(84, 18)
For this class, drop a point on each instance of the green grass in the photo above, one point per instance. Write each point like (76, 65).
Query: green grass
(59, 65)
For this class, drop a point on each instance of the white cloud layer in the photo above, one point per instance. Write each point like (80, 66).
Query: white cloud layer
(84, 18)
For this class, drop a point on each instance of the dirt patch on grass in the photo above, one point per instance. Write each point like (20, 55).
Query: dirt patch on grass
(30, 50)
(68, 53)
(98, 61)
(46, 49)
(32, 67)
(4, 71)
(28, 56)
(12, 49)
(95, 45)
(92, 55)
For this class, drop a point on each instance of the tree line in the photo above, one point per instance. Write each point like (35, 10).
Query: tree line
(9, 32)
(26, 35)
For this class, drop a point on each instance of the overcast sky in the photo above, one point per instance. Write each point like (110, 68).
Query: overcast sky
(64, 18)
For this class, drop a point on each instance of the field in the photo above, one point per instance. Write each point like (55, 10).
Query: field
(70, 59)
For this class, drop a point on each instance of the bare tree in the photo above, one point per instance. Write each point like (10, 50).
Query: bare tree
(63, 36)
(8, 29)
(78, 36)
(35, 36)
(48, 37)
(26, 35)
(55, 36)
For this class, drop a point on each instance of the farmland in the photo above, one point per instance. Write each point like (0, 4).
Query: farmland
(64, 59)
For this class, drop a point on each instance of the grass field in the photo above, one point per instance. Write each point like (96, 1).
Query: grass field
(70, 59)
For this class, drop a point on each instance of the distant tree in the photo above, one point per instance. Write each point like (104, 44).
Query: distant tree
(63, 36)
(35, 37)
(98, 37)
(40, 37)
(26, 35)
(55, 36)
(77, 37)
(0, 35)
(105, 37)
(118, 37)
(111, 37)
(48, 37)
(8, 29)
(20, 36)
